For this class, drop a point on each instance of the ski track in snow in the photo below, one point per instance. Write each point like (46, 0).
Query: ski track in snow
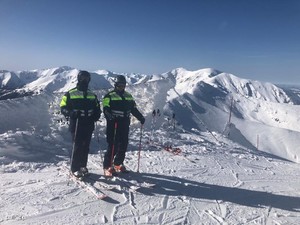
(170, 204)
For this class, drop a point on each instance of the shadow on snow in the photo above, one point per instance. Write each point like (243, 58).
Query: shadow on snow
(174, 186)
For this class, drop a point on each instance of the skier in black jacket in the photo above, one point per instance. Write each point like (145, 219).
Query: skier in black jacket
(118, 105)
(82, 107)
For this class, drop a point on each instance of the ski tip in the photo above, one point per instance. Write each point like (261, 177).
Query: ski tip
(101, 197)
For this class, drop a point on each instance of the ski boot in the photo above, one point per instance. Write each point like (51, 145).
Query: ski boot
(120, 168)
(109, 172)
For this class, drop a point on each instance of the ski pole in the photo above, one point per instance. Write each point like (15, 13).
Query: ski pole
(98, 140)
(140, 148)
(113, 144)
(74, 142)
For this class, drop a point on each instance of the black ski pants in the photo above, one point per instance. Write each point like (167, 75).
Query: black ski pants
(117, 142)
(81, 144)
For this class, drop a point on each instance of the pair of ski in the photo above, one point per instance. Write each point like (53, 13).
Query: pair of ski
(85, 183)
(88, 184)
(132, 185)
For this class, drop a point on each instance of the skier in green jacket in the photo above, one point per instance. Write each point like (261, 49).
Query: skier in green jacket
(82, 108)
(118, 105)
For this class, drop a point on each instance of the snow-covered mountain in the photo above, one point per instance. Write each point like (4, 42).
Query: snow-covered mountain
(56, 80)
(260, 115)
(234, 136)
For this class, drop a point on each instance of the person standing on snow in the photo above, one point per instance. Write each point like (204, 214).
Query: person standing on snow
(153, 113)
(118, 105)
(82, 107)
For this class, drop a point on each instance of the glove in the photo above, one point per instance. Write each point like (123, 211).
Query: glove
(65, 112)
(74, 114)
(96, 117)
(142, 120)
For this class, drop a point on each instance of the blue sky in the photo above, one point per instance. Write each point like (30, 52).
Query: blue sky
(254, 39)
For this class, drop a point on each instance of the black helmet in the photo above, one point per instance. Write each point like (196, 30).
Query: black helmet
(83, 75)
(120, 80)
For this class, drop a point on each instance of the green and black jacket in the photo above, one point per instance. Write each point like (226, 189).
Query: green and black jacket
(85, 102)
(120, 105)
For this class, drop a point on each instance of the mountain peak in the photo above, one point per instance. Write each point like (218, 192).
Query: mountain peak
(204, 73)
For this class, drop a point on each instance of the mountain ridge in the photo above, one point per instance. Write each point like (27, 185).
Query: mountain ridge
(66, 76)
(206, 99)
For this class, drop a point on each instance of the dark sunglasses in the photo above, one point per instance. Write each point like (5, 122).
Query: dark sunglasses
(121, 85)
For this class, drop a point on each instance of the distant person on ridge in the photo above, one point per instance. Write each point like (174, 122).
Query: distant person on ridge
(158, 112)
(82, 107)
(154, 113)
(118, 104)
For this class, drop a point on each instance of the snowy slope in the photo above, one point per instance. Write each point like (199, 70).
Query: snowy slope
(258, 110)
(219, 177)
(9, 80)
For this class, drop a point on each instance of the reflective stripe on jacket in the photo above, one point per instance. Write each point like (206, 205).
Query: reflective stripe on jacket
(85, 102)
(120, 105)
